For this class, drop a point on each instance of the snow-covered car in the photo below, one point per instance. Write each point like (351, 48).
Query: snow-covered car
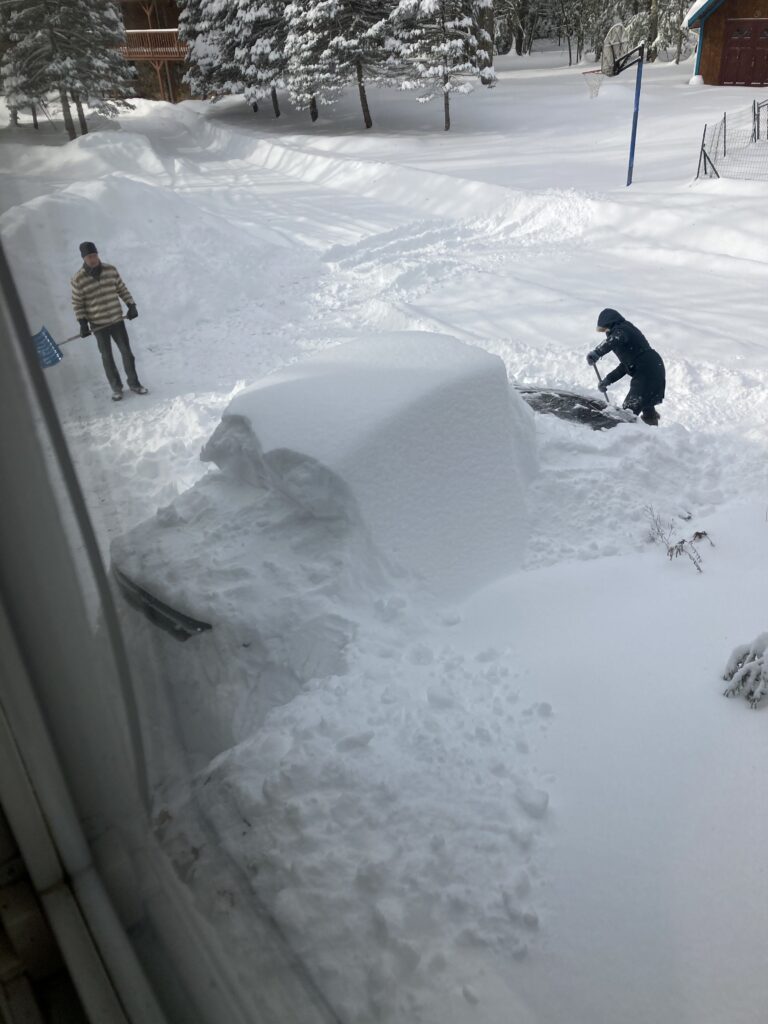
(386, 463)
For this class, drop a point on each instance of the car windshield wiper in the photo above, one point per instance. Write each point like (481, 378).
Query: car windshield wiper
(180, 626)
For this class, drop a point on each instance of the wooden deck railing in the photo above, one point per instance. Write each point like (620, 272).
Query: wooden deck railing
(153, 44)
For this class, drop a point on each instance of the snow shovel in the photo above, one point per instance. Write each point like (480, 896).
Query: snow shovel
(48, 352)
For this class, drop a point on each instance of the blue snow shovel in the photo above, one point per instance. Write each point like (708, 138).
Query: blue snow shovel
(48, 352)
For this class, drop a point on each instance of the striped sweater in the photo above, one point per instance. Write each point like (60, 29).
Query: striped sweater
(97, 299)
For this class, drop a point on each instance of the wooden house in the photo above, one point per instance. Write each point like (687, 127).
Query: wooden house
(153, 46)
(733, 41)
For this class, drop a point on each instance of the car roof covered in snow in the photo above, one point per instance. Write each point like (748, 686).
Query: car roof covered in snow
(422, 430)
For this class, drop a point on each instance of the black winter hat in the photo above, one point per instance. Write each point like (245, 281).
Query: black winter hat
(86, 248)
(609, 318)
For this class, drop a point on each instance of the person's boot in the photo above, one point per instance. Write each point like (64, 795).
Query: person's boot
(117, 396)
(139, 389)
(650, 416)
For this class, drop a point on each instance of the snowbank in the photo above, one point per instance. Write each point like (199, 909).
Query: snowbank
(423, 430)
(172, 255)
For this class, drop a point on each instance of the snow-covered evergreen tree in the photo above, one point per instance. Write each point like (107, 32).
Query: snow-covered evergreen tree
(68, 47)
(676, 41)
(253, 47)
(200, 24)
(442, 47)
(314, 72)
(358, 50)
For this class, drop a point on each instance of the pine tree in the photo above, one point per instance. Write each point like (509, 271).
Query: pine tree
(314, 72)
(442, 48)
(68, 47)
(200, 23)
(357, 50)
(252, 44)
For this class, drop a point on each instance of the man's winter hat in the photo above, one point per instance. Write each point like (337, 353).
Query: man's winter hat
(609, 317)
(86, 248)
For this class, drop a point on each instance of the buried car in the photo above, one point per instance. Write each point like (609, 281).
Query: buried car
(373, 467)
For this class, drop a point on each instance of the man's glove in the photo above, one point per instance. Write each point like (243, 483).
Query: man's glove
(132, 313)
(592, 358)
(85, 330)
(602, 386)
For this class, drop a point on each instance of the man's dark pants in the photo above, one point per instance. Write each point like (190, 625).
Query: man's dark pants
(104, 338)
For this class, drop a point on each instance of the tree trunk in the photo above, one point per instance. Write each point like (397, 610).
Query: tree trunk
(653, 32)
(363, 97)
(169, 82)
(80, 113)
(522, 21)
(313, 108)
(33, 108)
(570, 53)
(275, 104)
(519, 40)
(69, 124)
(486, 25)
(14, 115)
(447, 109)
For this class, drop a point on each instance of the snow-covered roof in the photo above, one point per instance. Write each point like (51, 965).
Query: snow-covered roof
(700, 10)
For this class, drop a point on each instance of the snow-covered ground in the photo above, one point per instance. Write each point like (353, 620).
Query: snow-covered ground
(531, 803)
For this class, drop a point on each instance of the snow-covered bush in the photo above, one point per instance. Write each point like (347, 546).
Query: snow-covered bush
(747, 671)
(663, 531)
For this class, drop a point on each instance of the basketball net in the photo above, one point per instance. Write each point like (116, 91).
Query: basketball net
(594, 80)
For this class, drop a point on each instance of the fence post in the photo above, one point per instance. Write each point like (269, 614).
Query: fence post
(701, 153)
(707, 160)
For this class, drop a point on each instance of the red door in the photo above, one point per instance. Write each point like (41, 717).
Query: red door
(745, 57)
(760, 66)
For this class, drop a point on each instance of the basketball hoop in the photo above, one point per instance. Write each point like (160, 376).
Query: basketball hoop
(594, 80)
(618, 56)
(615, 47)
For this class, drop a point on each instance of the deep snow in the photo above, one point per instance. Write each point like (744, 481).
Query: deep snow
(533, 804)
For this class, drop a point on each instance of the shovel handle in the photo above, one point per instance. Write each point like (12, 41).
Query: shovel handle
(76, 336)
(600, 381)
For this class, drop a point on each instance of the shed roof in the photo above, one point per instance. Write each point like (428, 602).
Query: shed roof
(699, 12)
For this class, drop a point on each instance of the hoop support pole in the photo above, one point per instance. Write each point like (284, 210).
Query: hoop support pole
(635, 112)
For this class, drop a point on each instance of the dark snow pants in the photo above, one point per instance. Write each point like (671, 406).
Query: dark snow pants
(104, 338)
(648, 383)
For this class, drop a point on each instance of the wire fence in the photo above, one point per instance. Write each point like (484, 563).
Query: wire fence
(737, 145)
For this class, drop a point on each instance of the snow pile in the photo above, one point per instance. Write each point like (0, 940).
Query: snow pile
(426, 433)
(89, 157)
(390, 818)
(154, 237)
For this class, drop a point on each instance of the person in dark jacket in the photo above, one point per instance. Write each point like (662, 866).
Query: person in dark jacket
(97, 289)
(636, 358)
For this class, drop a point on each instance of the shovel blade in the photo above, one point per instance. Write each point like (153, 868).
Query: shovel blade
(48, 352)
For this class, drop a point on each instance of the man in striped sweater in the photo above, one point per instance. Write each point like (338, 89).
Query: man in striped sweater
(96, 292)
